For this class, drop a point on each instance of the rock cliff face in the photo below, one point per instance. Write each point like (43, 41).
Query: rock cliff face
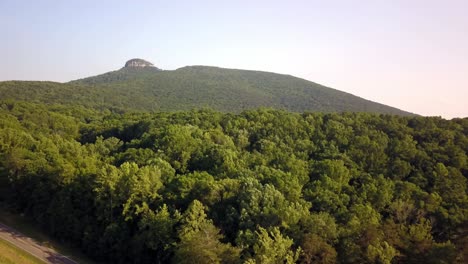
(138, 63)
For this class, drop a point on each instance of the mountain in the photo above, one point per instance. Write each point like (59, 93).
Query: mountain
(139, 85)
(138, 63)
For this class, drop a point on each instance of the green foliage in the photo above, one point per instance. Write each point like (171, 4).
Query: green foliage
(262, 186)
(316, 250)
(200, 240)
(156, 231)
(272, 247)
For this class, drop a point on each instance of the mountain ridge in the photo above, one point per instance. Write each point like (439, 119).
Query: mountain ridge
(228, 90)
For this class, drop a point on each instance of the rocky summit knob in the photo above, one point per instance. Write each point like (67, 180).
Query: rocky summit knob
(138, 63)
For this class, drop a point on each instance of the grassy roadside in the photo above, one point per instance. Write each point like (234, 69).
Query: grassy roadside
(10, 254)
(23, 225)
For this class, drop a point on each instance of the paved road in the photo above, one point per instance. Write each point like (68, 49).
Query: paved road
(34, 248)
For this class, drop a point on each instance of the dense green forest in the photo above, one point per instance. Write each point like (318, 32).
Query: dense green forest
(188, 88)
(261, 186)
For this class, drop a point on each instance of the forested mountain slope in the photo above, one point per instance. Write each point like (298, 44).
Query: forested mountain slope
(194, 87)
(261, 186)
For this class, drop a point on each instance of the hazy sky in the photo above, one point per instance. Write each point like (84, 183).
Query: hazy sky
(411, 54)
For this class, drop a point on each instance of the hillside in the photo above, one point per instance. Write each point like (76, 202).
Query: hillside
(227, 90)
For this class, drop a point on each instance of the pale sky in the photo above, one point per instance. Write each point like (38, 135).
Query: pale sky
(410, 54)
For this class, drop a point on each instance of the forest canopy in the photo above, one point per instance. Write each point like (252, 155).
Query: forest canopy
(260, 186)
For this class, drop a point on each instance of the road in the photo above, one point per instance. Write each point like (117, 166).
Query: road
(34, 248)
